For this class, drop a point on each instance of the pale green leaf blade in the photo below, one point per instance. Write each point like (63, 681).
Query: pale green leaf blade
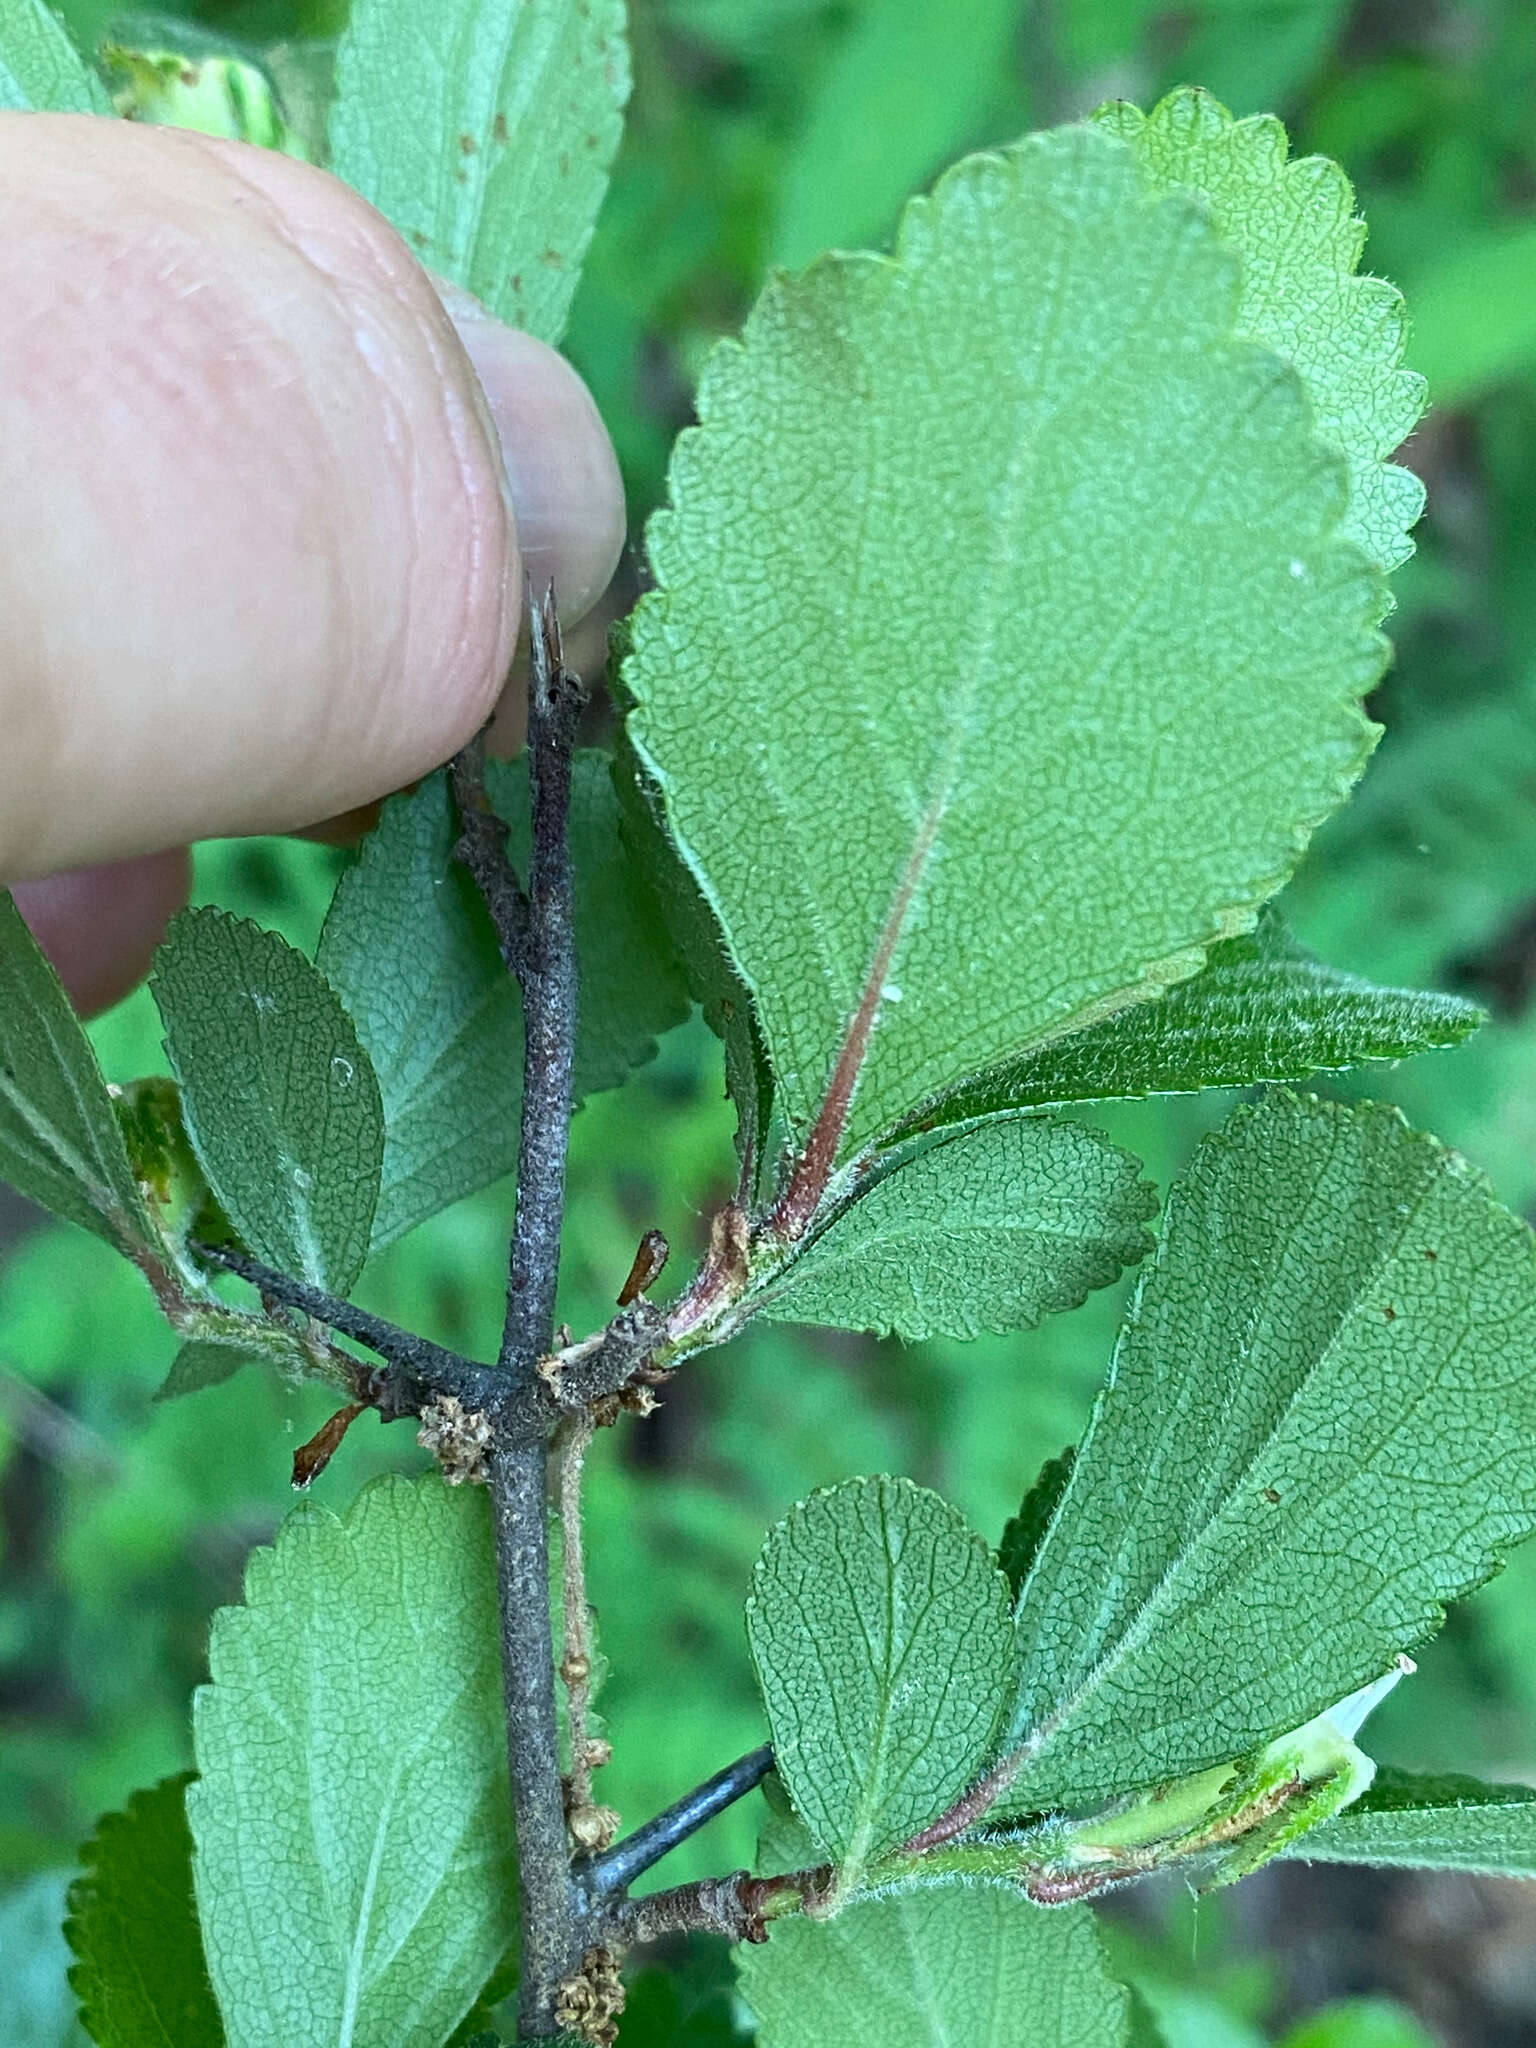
(1261, 1009)
(60, 1141)
(484, 130)
(1092, 741)
(879, 1625)
(408, 947)
(40, 69)
(140, 1975)
(279, 1098)
(354, 1863)
(906, 88)
(217, 1342)
(933, 1968)
(1406, 1821)
(990, 1229)
(1319, 1405)
(1300, 239)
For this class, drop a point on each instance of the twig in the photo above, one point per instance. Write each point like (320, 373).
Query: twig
(548, 977)
(575, 1647)
(426, 1369)
(739, 1907)
(482, 847)
(551, 1938)
(610, 1874)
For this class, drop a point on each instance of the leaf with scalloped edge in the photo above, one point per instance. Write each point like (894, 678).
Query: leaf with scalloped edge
(935, 1967)
(1261, 1009)
(1319, 1427)
(353, 1863)
(1026, 783)
(991, 1228)
(1408, 1821)
(1300, 239)
(879, 1626)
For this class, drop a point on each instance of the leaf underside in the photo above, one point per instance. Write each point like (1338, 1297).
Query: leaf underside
(1300, 239)
(140, 1975)
(484, 130)
(1406, 1821)
(879, 1625)
(1261, 1009)
(1095, 736)
(934, 1967)
(40, 68)
(1319, 1404)
(60, 1141)
(988, 1230)
(279, 1098)
(353, 1868)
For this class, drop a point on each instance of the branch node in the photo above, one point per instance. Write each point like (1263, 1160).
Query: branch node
(459, 1438)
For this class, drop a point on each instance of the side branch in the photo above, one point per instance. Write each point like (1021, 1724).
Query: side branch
(608, 1875)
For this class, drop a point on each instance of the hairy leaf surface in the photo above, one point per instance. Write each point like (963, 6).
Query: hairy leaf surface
(408, 946)
(1024, 1532)
(1440, 1823)
(1261, 1009)
(988, 1230)
(1027, 786)
(60, 1141)
(1320, 1405)
(1300, 240)
(933, 1968)
(140, 1978)
(279, 1098)
(40, 69)
(353, 1866)
(879, 1625)
(484, 130)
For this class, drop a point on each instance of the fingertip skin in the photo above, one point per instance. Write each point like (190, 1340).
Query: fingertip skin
(100, 925)
(257, 563)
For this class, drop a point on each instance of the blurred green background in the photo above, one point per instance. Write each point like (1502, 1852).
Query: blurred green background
(760, 132)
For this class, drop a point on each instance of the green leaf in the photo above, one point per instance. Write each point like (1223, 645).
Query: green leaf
(1359, 2023)
(1317, 1428)
(410, 950)
(1024, 1532)
(942, 1965)
(695, 936)
(1440, 1823)
(40, 68)
(354, 1867)
(987, 1230)
(905, 90)
(1142, 2028)
(1262, 1009)
(60, 1142)
(1295, 227)
(484, 130)
(140, 1978)
(879, 1625)
(279, 1097)
(1046, 776)
(217, 1342)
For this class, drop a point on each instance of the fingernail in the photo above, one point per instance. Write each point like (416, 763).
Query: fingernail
(566, 495)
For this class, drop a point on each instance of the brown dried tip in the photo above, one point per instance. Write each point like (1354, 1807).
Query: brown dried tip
(649, 1260)
(311, 1459)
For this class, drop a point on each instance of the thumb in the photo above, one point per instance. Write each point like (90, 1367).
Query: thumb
(256, 559)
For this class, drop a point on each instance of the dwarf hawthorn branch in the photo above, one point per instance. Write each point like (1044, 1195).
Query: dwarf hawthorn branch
(739, 1907)
(537, 935)
(608, 1876)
